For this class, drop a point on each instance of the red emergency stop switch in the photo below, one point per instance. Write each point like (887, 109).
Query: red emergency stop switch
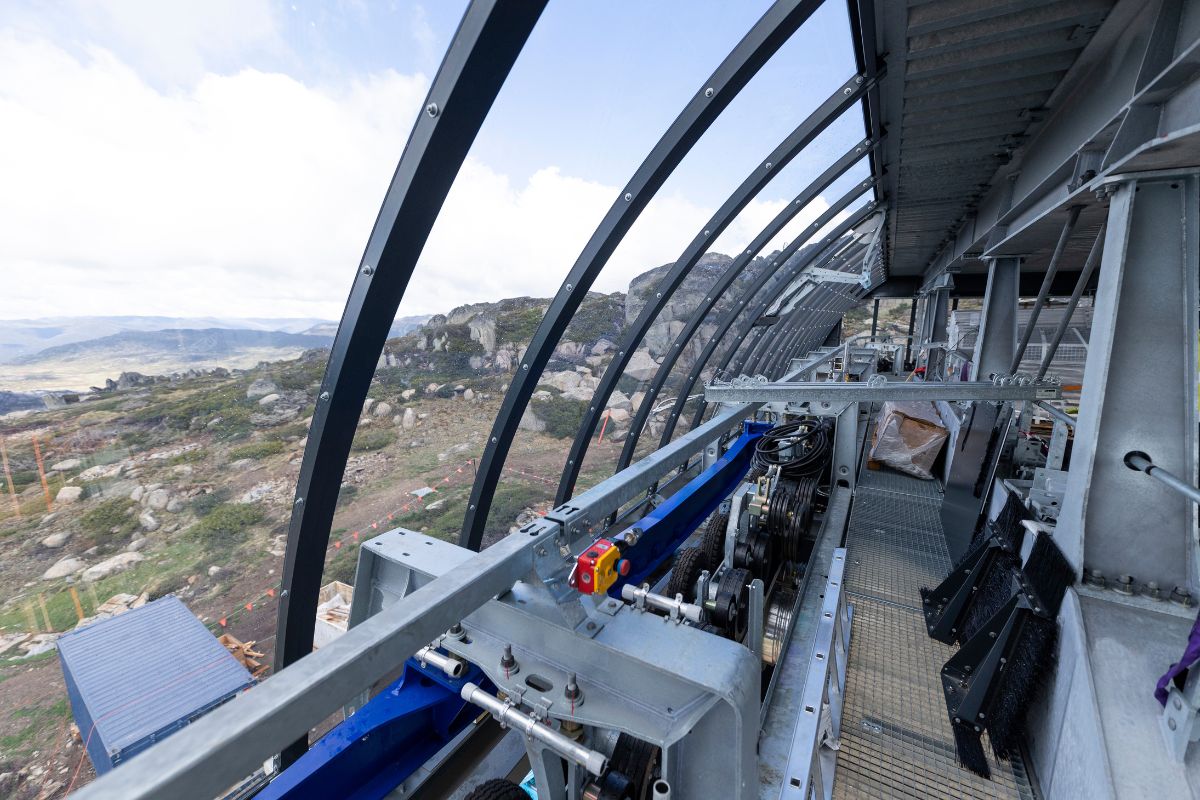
(599, 567)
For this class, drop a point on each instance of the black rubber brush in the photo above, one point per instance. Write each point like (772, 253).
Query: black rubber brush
(980, 583)
(997, 673)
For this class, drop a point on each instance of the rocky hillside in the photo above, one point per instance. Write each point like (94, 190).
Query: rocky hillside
(183, 483)
(489, 339)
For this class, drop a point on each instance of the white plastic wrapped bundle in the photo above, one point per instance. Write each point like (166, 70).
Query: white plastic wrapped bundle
(908, 437)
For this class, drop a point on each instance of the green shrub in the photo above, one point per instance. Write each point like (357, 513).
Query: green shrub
(226, 524)
(561, 415)
(110, 514)
(188, 457)
(257, 450)
(518, 325)
(372, 439)
(203, 504)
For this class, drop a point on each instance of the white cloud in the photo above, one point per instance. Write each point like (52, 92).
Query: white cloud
(176, 41)
(252, 194)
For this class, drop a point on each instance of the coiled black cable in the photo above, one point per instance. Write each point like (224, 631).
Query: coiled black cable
(799, 449)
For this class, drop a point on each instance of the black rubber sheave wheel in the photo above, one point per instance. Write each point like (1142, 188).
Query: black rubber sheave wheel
(688, 566)
(498, 789)
(713, 542)
(637, 761)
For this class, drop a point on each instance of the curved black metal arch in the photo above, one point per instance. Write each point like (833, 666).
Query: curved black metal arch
(784, 328)
(485, 46)
(786, 338)
(754, 50)
(760, 335)
(779, 263)
(825, 258)
(833, 302)
(645, 320)
(846, 95)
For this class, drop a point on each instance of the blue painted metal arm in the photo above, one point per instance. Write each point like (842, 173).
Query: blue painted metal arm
(385, 742)
(660, 532)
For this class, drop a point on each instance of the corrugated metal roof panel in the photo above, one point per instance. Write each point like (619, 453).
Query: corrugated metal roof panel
(974, 76)
(136, 677)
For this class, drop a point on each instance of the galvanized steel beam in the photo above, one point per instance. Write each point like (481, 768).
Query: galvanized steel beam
(829, 393)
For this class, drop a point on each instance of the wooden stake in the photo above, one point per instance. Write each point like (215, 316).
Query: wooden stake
(33, 623)
(78, 605)
(37, 452)
(12, 492)
(45, 611)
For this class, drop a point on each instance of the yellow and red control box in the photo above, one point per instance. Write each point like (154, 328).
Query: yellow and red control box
(599, 567)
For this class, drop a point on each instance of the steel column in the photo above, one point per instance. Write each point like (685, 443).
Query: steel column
(1144, 325)
(485, 46)
(714, 95)
(996, 342)
(875, 317)
(912, 323)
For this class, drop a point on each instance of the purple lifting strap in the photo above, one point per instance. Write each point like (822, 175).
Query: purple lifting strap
(1178, 672)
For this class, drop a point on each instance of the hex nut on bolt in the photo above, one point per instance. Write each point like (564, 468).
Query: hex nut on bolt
(508, 663)
(573, 693)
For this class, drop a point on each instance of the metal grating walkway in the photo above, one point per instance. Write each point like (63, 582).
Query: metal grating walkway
(896, 741)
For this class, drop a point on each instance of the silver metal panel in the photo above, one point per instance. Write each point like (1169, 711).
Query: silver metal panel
(1129, 648)
(775, 744)
(1065, 738)
(811, 763)
(1115, 519)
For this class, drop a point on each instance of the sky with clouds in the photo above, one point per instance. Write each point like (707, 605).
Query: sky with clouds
(228, 158)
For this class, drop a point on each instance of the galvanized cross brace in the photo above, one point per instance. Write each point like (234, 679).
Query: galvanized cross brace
(823, 392)
(743, 62)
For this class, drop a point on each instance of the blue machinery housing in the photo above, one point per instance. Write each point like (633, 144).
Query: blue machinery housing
(399, 729)
(666, 527)
(385, 741)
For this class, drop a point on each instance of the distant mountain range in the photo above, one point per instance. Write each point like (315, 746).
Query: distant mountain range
(77, 352)
(188, 345)
(22, 337)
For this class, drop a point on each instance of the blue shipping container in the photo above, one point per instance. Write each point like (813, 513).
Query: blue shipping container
(139, 677)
